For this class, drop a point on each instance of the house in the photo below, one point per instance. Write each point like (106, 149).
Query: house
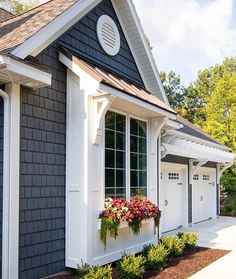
(84, 116)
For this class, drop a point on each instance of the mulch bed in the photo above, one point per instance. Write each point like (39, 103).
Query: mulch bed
(180, 267)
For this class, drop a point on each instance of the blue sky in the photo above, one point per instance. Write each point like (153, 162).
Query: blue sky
(189, 35)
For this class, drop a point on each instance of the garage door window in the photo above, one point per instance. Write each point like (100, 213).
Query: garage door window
(125, 141)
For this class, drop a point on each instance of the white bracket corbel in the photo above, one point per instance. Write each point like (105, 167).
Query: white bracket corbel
(156, 125)
(221, 168)
(193, 168)
(101, 104)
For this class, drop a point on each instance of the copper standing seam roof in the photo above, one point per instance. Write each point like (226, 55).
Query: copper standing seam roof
(17, 30)
(117, 82)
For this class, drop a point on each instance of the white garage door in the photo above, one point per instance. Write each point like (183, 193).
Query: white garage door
(173, 196)
(204, 195)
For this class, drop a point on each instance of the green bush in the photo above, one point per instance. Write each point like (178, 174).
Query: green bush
(156, 257)
(189, 239)
(228, 181)
(228, 205)
(131, 267)
(174, 245)
(146, 249)
(86, 271)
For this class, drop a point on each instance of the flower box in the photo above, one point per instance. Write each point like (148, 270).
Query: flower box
(123, 224)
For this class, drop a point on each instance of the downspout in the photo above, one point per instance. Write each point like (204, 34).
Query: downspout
(6, 185)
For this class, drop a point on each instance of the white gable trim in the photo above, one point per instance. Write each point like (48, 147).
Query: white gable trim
(132, 29)
(38, 42)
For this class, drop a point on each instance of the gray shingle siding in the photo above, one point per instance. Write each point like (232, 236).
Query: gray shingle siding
(1, 176)
(82, 40)
(42, 174)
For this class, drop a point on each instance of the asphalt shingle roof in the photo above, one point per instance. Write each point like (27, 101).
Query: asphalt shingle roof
(5, 15)
(17, 30)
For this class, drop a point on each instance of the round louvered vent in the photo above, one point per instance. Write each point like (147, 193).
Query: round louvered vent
(108, 35)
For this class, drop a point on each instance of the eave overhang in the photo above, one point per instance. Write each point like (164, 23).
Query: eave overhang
(12, 70)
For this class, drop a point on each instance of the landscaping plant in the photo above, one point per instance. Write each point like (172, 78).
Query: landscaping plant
(131, 267)
(190, 239)
(156, 257)
(86, 271)
(174, 245)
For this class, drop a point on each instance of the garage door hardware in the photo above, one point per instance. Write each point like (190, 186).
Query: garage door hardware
(166, 202)
(201, 198)
(179, 183)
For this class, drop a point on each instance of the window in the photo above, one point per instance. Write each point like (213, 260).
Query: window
(117, 140)
(196, 177)
(138, 157)
(173, 175)
(206, 177)
(115, 155)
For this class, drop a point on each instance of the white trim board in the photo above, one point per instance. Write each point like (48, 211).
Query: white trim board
(10, 237)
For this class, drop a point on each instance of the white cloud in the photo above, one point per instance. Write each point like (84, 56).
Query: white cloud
(188, 35)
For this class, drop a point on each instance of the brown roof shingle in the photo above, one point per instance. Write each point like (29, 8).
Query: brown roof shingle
(17, 30)
(5, 15)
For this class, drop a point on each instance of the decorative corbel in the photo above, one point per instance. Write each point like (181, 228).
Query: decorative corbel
(156, 125)
(193, 168)
(101, 104)
(221, 168)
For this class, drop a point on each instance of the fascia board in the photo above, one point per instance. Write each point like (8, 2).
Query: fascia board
(48, 34)
(136, 101)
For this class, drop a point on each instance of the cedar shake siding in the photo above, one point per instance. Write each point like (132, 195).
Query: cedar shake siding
(82, 40)
(42, 177)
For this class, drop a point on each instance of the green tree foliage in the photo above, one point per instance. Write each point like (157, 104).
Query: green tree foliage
(175, 92)
(17, 7)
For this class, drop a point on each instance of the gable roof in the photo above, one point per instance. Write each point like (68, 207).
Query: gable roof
(17, 30)
(5, 15)
(33, 31)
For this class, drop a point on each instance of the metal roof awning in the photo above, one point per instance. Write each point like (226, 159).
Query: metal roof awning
(118, 87)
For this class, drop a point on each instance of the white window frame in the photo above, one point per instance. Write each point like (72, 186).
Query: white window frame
(128, 116)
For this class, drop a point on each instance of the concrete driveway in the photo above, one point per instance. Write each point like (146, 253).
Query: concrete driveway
(219, 233)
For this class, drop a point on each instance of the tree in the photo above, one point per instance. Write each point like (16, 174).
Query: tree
(214, 94)
(18, 8)
(175, 92)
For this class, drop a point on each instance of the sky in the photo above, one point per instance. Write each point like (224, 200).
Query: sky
(188, 35)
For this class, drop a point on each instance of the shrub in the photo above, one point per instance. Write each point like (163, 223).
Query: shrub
(86, 271)
(189, 239)
(174, 245)
(146, 249)
(156, 257)
(131, 267)
(228, 181)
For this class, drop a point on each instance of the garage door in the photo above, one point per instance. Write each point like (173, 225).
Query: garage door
(204, 195)
(173, 196)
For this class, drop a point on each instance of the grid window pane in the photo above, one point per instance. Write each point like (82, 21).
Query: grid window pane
(115, 155)
(138, 157)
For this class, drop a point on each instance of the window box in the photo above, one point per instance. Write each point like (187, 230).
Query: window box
(124, 225)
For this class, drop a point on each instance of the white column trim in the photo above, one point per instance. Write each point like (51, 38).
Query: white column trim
(156, 125)
(6, 184)
(10, 261)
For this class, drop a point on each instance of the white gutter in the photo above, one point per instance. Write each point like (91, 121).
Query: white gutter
(6, 185)
(195, 139)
